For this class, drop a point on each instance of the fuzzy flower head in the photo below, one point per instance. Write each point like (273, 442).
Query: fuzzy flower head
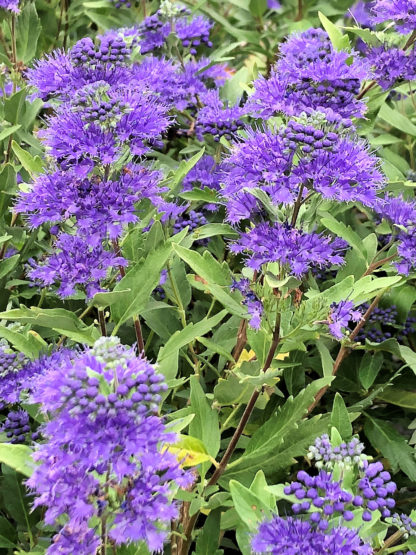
(402, 12)
(103, 434)
(391, 64)
(10, 6)
(316, 151)
(75, 263)
(217, 118)
(251, 301)
(100, 207)
(102, 123)
(295, 250)
(293, 536)
(58, 74)
(311, 74)
(406, 249)
(340, 316)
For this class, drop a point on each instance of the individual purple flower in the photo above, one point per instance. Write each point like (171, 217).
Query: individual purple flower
(250, 300)
(105, 440)
(121, 3)
(296, 250)
(293, 536)
(273, 5)
(392, 64)
(10, 6)
(218, 118)
(340, 316)
(75, 263)
(402, 12)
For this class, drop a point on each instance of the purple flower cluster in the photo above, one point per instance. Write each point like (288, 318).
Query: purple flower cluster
(217, 118)
(10, 5)
(250, 301)
(191, 32)
(375, 489)
(294, 249)
(310, 73)
(340, 316)
(392, 64)
(404, 523)
(103, 457)
(316, 152)
(18, 375)
(293, 536)
(16, 426)
(326, 455)
(205, 173)
(383, 323)
(402, 12)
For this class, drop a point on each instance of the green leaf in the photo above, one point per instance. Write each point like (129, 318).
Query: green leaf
(61, 320)
(257, 7)
(340, 418)
(370, 366)
(213, 277)
(392, 445)
(408, 356)
(346, 232)
(28, 343)
(31, 164)
(203, 195)
(28, 29)
(209, 537)
(405, 399)
(109, 298)
(326, 358)
(397, 120)
(205, 424)
(189, 451)
(210, 230)
(7, 265)
(184, 168)
(140, 280)
(250, 508)
(8, 131)
(339, 41)
(284, 436)
(182, 338)
(18, 457)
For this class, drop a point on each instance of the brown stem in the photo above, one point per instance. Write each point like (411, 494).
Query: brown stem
(391, 540)
(143, 4)
(297, 206)
(366, 89)
(101, 319)
(345, 351)
(189, 524)
(66, 28)
(137, 325)
(299, 15)
(248, 410)
(241, 342)
(374, 265)
(410, 40)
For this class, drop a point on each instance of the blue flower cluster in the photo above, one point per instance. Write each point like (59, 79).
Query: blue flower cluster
(103, 456)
